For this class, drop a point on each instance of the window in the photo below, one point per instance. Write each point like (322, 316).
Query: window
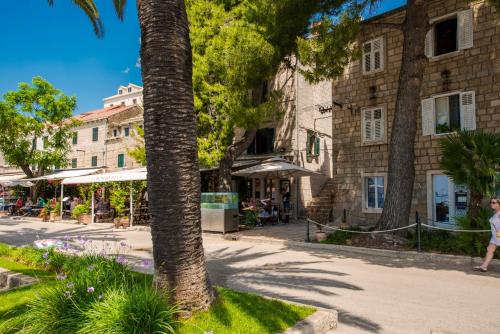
(446, 200)
(74, 163)
(263, 142)
(134, 101)
(129, 89)
(33, 143)
(111, 105)
(115, 132)
(373, 55)
(448, 112)
(95, 134)
(313, 145)
(121, 160)
(45, 142)
(127, 131)
(450, 34)
(373, 125)
(94, 161)
(75, 138)
(373, 192)
(120, 92)
(123, 103)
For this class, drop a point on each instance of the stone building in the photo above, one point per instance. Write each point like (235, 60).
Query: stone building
(126, 96)
(461, 89)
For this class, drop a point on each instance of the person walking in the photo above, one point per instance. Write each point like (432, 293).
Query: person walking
(495, 238)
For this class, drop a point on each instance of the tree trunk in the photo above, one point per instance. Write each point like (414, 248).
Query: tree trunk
(474, 206)
(401, 174)
(233, 152)
(172, 154)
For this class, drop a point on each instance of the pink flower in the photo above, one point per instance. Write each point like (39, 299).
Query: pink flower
(90, 289)
(45, 255)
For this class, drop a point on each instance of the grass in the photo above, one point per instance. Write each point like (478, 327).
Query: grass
(233, 312)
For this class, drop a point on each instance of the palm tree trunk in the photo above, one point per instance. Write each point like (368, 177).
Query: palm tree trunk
(172, 154)
(401, 174)
(233, 152)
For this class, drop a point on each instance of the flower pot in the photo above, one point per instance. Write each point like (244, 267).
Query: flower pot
(85, 219)
(320, 236)
(125, 222)
(4, 213)
(52, 216)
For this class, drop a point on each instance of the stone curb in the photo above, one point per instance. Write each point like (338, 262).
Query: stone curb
(401, 255)
(320, 322)
(11, 280)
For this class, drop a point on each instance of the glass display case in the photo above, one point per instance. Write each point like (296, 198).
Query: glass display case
(219, 200)
(219, 212)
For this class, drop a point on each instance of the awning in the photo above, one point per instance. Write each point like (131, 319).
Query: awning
(276, 168)
(14, 180)
(66, 173)
(139, 174)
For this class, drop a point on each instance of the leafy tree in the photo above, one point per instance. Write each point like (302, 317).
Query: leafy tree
(472, 158)
(138, 152)
(36, 111)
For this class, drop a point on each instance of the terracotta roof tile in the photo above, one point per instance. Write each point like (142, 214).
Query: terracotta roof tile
(101, 113)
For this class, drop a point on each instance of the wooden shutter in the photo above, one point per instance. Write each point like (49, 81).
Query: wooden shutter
(429, 43)
(367, 62)
(468, 110)
(378, 124)
(367, 125)
(317, 144)
(378, 54)
(428, 127)
(465, 29)
(308, 145)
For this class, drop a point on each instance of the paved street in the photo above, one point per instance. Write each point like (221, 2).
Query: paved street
(371, 295)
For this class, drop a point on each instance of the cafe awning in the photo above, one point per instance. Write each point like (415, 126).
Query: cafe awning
(66, 173)
(139, 174)
(275, 168)
(13, 180)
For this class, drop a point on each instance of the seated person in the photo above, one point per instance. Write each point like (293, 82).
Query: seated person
(19, 204)
(41, 202)
(27, 209)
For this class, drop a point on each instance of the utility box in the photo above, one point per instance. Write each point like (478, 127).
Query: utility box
(219, 212)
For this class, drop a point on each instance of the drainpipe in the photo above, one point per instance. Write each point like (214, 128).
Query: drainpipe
(297, 150)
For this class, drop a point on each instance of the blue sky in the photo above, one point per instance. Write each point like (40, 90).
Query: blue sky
(58, 43)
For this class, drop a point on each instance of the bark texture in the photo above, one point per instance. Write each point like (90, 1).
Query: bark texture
(172, 155)
(233, 152)
(401, 173)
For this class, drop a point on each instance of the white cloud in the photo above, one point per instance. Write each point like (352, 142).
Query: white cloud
(126, 70)
(138, 62)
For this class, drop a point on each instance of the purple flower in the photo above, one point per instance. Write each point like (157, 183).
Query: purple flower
(70, 285)
(90, 289)
(120, 259)
(146, 263)
(45, 255)
(67, 294)
(67, 237)
(61, 277)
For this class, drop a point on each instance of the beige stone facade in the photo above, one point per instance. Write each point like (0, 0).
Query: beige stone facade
(470, 76)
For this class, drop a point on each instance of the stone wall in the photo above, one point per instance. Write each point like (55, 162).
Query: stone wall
(476, 69)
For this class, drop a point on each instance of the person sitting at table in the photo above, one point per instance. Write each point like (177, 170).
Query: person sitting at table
(40, 203)
(19, 204)
(28, 207)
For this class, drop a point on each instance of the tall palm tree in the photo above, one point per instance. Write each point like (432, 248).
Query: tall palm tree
(171, 148)
(471, 158)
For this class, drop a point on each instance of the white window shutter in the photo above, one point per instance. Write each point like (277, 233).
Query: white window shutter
(465, 29)
(377, 54)
(468, 110)
(378, 124)
(429, 43)
(428, 117)
(367, 125)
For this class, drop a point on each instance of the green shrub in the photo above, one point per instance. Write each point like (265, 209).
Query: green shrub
(249, 218)
(340, 237)
(79, 210)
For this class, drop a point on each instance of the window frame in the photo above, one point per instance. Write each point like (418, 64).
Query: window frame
(122, 156)
(364, 193)
(372, 55)
(92, 159)
(126, 131)
(74, 138)
(95, 134)
(74, 163)
(383, 138)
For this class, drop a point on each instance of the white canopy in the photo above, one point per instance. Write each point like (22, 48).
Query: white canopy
(14, 180)
(275, 168)
(138, 174)
(67, 173)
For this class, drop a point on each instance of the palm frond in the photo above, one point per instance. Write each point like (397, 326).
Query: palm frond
(90, 9)
(120, 8)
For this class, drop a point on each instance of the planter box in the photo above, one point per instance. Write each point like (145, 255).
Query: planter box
(85, 219)
(122, 222)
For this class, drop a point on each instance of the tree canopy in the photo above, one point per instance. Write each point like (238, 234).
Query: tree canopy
(34, 111)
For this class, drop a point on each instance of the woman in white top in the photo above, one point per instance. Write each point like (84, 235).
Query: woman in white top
(495, 238)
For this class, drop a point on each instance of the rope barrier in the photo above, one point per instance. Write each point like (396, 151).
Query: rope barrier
(455, 230)
(363, 232)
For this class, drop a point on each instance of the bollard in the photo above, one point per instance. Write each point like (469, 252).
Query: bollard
(344, 216)
(307, 231)
(419, 229)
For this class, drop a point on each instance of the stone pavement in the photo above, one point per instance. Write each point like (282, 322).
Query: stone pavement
(371, 294)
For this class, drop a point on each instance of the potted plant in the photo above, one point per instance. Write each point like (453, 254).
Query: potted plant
(44, 214)
(118, 198)
(55, 212)
(81, 212)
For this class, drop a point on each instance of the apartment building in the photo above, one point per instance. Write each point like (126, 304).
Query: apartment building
(126, 96)
(461, 89)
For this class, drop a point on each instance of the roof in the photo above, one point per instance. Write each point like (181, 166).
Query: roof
(384, 14)
(101, 113)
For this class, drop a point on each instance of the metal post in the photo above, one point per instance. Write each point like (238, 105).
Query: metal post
(419, 227)
(344, 216)
(131, 205)
(62, 196)
(307, 231)
(92, 207)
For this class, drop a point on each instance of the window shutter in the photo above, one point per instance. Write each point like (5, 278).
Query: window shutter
(308, 145)
(429, 43)
(317, 144)
(367, 49)
(378, 124)
(428, 117)
(465, 29)
(367, 125)
(378, 49)
(468, 110)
